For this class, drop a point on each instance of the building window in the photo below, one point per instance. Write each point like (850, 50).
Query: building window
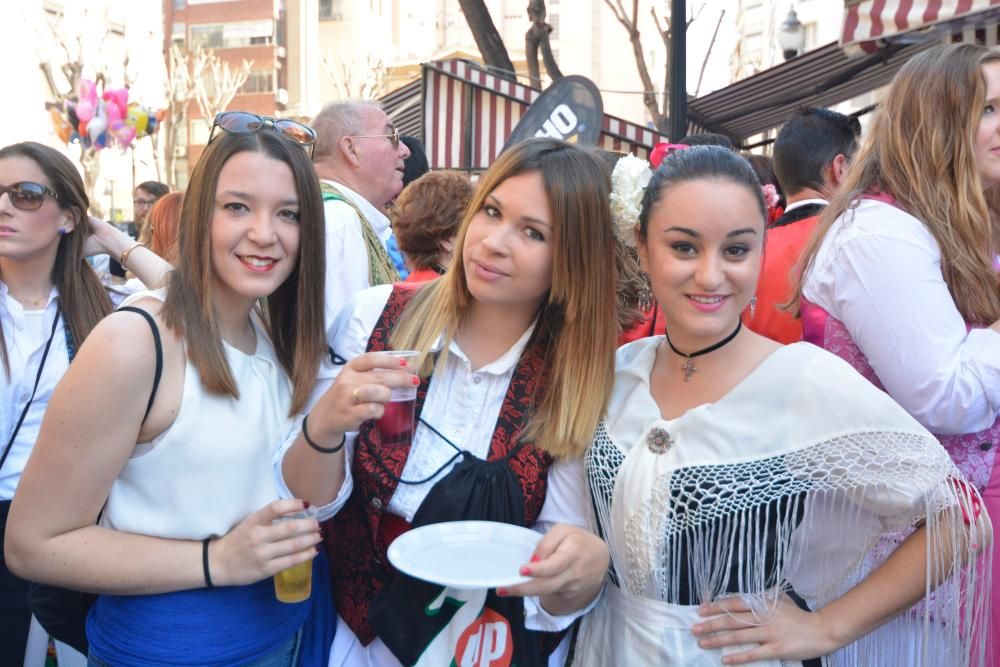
(179, 4)
(232, 35)
(178, 33)
(259, 82)
(331, 10)
(207, 35)
(200, 132)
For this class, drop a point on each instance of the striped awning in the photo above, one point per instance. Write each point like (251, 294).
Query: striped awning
(466, 114)
(403, 108)
(870, 25)
(823, 77)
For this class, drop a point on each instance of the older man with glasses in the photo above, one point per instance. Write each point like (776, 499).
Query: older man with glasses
(359, 159)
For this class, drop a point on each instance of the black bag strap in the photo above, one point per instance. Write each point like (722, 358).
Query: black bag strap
(38, 377)
(159, 353)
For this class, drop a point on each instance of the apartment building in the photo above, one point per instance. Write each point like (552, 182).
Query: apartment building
(235, 30)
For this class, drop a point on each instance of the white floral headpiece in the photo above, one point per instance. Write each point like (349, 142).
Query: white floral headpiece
(628, 184)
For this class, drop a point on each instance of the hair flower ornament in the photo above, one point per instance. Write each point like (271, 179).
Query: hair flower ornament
(628, 184)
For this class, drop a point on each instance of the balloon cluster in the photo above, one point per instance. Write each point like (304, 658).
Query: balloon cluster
(101, 120)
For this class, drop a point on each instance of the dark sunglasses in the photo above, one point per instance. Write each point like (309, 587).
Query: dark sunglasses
(244, 122)
(27, 196)
(393, 138)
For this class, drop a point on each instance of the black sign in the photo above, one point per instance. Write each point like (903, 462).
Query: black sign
(570, 109)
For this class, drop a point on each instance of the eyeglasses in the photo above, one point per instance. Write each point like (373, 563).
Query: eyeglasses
(393, 138)
(143, 202)
(27, 196)
(244, 122)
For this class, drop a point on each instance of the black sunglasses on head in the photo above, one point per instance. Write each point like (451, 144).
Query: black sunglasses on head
(27, 196)
(244, 122)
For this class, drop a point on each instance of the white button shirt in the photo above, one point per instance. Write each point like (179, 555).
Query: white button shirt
(464, 406)
(878, 272)
(25, 334)
(346, 253)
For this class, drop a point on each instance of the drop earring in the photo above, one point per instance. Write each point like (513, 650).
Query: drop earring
(753, 306)
(645, 295)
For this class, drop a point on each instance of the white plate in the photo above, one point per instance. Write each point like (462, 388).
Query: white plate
(465, 554)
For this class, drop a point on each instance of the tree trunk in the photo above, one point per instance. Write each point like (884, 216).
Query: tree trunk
(487, 38)
(631, 23)
(91, 163)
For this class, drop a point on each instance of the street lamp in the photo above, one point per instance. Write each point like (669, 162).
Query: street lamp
(791, 35)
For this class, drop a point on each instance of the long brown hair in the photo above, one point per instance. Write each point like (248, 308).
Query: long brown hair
(294, 312)
(577, 318)
(921, 150)
(82, 298)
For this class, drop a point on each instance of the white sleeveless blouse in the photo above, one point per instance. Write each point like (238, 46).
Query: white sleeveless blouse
(212, 467)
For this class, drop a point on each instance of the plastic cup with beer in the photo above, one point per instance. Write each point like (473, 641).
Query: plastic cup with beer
(295, 583)
(395, 427)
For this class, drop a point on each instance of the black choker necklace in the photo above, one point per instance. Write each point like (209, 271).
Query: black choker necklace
(689, 368)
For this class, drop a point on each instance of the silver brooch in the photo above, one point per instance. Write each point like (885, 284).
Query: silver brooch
(659, 441)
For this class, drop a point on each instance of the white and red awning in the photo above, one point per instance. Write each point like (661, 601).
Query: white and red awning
(870, 25)
(468, 113)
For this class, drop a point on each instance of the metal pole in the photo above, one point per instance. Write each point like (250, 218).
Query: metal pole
(678, 70)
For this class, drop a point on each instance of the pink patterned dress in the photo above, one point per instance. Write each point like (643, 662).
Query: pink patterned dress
(975, 454)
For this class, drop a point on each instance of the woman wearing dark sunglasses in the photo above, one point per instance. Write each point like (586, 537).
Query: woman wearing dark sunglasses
(50, 299)
(181, 448)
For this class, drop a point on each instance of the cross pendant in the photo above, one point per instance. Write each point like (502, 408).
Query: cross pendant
(689, 369)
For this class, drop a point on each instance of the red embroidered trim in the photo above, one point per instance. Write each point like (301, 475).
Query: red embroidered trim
(359, 567)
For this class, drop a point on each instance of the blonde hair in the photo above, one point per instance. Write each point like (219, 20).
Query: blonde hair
(576, 323)
(921, 150)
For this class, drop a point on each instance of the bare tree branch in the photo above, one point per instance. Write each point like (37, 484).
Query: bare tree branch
(711, 45)
(664, 31)
(180, 93)
(649, 91)
(490, 44)
(658, 109)
(342, 74)
(216, 84)
(695, 15)
(71, 67)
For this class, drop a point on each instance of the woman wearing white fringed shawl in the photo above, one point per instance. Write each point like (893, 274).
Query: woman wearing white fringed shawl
(765, 504)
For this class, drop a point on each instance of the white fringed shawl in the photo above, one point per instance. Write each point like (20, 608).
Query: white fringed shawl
(804, 450)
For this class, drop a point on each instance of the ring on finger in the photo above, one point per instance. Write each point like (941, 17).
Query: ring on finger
(356, 399)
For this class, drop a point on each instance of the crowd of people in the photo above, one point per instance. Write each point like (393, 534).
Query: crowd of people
(791, 460)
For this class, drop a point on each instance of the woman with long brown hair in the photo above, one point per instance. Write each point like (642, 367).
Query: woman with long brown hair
(515, 348)
(169, 418)
(901, 277)
(50, 300)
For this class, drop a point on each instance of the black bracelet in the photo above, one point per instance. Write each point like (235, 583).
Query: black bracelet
(204, 562)
(321, 450)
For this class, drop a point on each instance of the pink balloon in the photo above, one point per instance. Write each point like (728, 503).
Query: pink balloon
(122, 133)
(117, 98)
(114, 115)
(84, 110)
